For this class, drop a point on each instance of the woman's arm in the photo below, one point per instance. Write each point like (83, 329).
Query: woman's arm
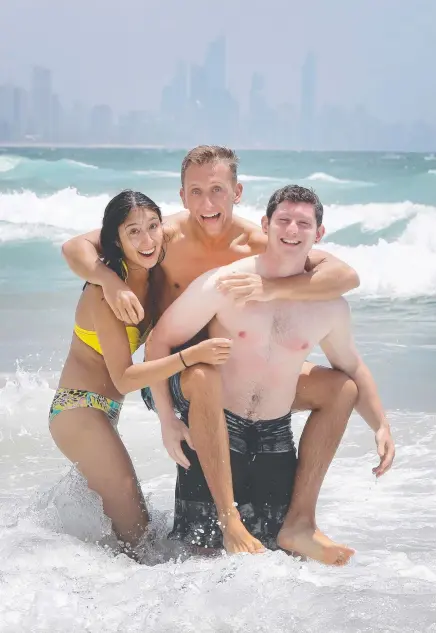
(126, 375)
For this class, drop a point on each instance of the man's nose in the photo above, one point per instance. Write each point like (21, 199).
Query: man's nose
(292, 228)
(207, 203)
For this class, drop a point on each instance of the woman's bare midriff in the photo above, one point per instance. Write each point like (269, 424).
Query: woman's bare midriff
(86, 369)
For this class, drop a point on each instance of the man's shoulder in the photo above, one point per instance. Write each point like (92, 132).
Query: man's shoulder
(243, 265)
(340, 303)
(337, 309)
(208, 279)
(329, 310)
(251, 234)
(174, 224)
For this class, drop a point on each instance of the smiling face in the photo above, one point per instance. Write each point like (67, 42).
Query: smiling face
(141, 237)
(292, 229)
(209, 192)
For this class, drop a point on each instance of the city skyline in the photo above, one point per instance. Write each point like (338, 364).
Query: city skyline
(197, 106)
(378, 54)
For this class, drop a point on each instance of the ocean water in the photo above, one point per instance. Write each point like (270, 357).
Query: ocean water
(380, 216)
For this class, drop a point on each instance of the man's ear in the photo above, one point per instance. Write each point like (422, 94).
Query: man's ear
(182, 195)
(238, 193)
(264, 224)
(320, 231)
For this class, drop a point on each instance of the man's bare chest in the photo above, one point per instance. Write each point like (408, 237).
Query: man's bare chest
(281, 325)
(183, 264)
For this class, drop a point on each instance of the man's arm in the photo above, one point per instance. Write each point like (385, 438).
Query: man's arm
(185, 317)
(341, 352)
(326, 278)
(82, 254)
(330, 277)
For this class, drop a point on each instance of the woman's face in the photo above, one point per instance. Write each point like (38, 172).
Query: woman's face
(141, 237)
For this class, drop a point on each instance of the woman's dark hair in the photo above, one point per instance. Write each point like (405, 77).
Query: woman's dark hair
(114, 216)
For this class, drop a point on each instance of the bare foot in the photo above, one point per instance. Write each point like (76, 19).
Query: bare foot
(238, 539)
(305, 539)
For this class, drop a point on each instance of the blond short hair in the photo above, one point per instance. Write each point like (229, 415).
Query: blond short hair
(204, 154)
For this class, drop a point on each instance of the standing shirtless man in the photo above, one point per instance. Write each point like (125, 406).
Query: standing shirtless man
(203, 237)
(271, 341)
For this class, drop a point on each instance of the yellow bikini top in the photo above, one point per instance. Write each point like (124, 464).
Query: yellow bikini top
(90, 338)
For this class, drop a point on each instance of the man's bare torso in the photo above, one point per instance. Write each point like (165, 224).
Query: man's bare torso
(187, 257)
(271, 341)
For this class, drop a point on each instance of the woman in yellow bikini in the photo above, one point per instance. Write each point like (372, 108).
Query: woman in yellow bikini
(99, 370)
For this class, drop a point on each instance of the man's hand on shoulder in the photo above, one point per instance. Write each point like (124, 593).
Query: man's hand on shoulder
(243, 287)
(122, 301)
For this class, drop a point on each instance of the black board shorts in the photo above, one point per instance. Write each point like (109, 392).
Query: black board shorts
(263, 461)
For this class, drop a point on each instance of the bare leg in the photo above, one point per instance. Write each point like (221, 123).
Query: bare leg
(86, 438)
(201, 385)
(331, 396)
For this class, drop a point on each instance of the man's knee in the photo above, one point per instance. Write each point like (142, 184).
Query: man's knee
(319, 387)
(343, 387)
(199, 379)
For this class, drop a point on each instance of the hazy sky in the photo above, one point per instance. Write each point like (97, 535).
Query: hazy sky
(381, 53)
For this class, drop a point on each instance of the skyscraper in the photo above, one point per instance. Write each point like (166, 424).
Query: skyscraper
(175, 93)
(217, 110)
(41, 96)
(308, 102)
(215, 65)
(6, 111)
(21, 113)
